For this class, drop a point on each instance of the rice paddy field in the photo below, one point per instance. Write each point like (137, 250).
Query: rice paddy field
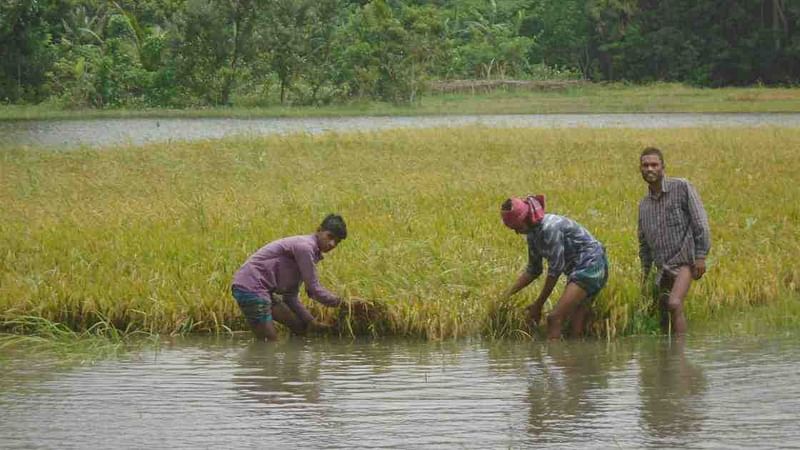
(146, 239)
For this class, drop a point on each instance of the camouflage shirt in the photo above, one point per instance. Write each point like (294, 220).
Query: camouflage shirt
(565, 244)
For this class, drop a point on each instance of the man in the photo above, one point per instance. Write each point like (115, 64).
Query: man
(569, 249)
(267, 285)
(674, 234)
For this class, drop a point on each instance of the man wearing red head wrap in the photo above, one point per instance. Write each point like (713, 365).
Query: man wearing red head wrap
(523, 211)
(569, 249)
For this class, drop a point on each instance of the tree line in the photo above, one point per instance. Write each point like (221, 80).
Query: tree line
(100, 53)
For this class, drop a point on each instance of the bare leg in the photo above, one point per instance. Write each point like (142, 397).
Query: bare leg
(578, 320)
(265, 331)
(573, 295)
(662, 300)
(282, 314)
(675, 302)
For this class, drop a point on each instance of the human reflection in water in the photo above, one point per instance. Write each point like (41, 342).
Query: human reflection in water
(294, 371)
(564, 382)
(560, 391)
(282, 374)
(671, 389)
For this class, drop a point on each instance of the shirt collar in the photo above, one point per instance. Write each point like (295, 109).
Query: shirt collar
(664, 188)
(317, 252)
(535, 228)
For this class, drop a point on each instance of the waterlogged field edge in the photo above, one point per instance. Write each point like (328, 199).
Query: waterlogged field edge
(26, 334)
(147, 239)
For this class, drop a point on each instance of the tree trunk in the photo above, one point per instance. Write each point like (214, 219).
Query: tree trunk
(779, 22)
(19, 78)
(231, 77)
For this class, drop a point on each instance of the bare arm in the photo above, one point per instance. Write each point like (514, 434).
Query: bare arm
(535, 308)
(524, 279)
(531, 272)
(547, 289)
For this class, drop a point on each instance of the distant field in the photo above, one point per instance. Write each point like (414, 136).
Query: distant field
(577, 98)
(148, 238)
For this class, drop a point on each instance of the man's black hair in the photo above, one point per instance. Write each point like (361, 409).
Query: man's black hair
(334, 223)
(652, 151)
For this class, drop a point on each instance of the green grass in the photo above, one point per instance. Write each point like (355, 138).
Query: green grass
(585, 98)
(147, 239)
(34, 335)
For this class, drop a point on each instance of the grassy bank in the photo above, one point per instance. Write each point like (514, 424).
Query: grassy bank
(583, 98)
(148, 238)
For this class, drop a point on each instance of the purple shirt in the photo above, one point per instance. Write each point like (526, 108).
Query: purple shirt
(280, 266)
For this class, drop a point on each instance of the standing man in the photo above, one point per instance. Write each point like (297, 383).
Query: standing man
(267, 285)
(569, 249)
(673, 234)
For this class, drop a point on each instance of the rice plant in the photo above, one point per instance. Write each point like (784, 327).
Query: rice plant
(147, 239)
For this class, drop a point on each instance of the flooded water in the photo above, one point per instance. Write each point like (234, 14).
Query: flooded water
(110, 132)
(638, 392)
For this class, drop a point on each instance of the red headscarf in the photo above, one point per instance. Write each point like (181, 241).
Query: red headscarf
(529, 210)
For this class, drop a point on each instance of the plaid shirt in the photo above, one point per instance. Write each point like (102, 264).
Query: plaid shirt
(673, 227)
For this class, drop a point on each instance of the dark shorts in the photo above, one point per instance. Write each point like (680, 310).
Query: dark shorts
(592, 275)
(256, 309)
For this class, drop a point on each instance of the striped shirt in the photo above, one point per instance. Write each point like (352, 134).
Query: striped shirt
(565, 244)
(673, 227)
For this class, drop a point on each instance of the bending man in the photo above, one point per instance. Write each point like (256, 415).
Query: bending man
(569, 249)
(267, 285)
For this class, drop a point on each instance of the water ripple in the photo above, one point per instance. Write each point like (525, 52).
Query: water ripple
(632, 393)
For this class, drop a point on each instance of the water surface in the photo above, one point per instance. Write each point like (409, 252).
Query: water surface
(638, 392)
(110, 132)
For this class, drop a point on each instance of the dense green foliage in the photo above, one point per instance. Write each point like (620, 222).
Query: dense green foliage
(100, 53)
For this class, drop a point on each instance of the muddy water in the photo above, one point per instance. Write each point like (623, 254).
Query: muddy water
(638, 392)
(110, 132)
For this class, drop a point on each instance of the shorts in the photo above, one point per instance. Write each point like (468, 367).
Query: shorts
(592, 276)
(256, 309)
